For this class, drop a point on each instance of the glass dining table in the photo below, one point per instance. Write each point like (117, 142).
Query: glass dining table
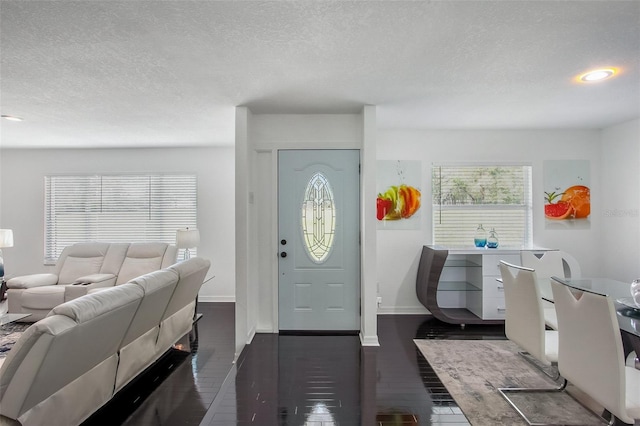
(628, 313)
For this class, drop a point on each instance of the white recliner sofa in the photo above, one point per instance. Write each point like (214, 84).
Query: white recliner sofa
(81, 268)
(69, 364)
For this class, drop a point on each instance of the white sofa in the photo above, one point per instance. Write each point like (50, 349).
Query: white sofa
(69, 364)
(81, 268)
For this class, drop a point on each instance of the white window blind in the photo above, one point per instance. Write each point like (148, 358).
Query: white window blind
(116, 208)
(496, 196)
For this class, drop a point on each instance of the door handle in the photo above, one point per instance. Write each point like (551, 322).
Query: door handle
(283, 254)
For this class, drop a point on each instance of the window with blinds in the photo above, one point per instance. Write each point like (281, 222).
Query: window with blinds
(496, 196)
(116, 208)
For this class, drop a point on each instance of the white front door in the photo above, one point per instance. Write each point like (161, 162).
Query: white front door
(318, 242)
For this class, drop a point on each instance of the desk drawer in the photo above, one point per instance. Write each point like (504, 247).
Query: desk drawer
(492, 288)
(491, 262)
(494, 308)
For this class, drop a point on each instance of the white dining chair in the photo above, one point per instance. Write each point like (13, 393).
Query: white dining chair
(548, 265)
(524, 317)
(551, 264)
(525, 326)
(591, 355)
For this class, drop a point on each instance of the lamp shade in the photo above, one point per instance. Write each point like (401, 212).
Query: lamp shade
(187, 238)
(6, 238)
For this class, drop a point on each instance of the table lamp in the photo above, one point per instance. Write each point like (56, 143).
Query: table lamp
(186, 239)
(6, 240)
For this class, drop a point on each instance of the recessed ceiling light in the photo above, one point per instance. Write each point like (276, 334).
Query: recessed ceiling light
(594, 76)
(11, 118)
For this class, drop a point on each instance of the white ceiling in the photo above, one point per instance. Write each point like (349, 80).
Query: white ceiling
(169, 73)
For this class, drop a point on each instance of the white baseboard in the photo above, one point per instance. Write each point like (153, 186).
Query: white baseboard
(216, 299)
(250, 336)
(369, 340)
(402, 310)
(382, 310)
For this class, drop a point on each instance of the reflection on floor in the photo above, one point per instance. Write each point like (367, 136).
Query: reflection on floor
(180, 389)
(298, 380)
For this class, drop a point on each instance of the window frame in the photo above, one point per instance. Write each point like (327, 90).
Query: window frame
(95, 207)
(526, 207)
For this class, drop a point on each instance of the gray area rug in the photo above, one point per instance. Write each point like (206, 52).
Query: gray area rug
(9, 335)
(473, 370)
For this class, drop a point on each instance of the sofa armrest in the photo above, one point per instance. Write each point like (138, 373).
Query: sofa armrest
(106, 280)
(34, 280)
(75, 290)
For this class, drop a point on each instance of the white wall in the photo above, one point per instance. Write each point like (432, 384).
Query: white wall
(369, 236)
(22, 201)
(620, 242)
(399, 251)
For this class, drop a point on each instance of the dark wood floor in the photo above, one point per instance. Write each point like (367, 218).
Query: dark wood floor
(294, 380)
(180, 389)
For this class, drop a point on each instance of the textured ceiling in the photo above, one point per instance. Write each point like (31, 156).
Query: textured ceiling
(169, 73)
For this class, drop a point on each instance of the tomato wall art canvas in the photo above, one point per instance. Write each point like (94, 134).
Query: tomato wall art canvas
(399, 194)
(567, 194)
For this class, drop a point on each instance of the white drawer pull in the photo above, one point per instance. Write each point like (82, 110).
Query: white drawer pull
(500, 288)
(502, 310)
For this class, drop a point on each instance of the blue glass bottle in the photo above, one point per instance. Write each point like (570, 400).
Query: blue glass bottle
(492, 241)
(480, 239)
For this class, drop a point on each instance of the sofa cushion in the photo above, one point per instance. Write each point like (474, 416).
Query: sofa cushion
(178, 317)
(86, 308)
(45, 297)
(134, 267)
(114, 258)
(191, 273)
(75, 267)
(141, 259)
(145, 250)
(24, 348)
(158, 288)
(90, 249)
(138, 347)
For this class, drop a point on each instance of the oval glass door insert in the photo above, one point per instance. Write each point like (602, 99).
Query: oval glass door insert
(318, 218)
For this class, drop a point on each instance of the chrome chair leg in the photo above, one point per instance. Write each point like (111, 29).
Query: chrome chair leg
(554, 367)
(609, 421)
(505, 391)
